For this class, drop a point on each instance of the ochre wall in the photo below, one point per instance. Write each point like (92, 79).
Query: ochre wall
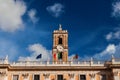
(30, 77)
(66, 77)
(88, 77)
(20, 77)
(76, 77)
(97, 77)
(9, 77)
(53, 76)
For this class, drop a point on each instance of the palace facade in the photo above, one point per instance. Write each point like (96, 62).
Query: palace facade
(60, 68)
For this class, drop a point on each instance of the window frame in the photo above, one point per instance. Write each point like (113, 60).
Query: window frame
(80, 77)
(59, 75)
(15, 75)
(104, 76)
(35, 75)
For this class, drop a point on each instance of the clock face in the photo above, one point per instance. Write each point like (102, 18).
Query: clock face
(60, 48)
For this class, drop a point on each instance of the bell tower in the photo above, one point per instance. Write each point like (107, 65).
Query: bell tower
(60, 45)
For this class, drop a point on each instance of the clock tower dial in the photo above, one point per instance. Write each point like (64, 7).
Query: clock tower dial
(60, 48)
(60, 45)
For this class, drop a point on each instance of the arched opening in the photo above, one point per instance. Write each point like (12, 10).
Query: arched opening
(60, 41)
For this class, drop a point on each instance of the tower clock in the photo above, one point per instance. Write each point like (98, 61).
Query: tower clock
(60, 45)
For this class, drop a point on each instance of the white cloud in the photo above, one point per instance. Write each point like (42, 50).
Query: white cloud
(117, 34)
(35, 50)
(106, 54)
(116, 9)
(11, 13)
(111, 49)
(55, 10)
(113, 35)
(117, 53)
(109, 36)
(32, 15)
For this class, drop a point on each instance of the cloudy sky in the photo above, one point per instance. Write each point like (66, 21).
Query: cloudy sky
(26, 28)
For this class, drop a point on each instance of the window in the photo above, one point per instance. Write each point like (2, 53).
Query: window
(82, 77)
(15, 77)
(60, 77)
(103, 77)
(60, 41)
(36, 77)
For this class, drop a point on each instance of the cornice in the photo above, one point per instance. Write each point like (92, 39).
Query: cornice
(55, 68)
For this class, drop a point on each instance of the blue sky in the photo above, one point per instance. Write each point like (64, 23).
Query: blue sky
(26, 28)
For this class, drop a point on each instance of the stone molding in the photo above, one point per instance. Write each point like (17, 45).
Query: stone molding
(25, 75)
(71, 75)
(46, 75)
(3, 73)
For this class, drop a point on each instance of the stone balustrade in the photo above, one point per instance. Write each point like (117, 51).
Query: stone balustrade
(115, 61)
(60, 63)
(50, 63)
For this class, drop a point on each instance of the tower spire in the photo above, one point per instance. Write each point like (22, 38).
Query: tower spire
(60, 27)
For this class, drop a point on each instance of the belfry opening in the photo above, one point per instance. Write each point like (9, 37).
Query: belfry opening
(60, 40)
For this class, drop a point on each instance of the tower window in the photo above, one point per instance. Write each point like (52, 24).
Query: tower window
(60, 41)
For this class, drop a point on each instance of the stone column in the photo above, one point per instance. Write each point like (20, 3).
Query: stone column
(54, 41)
(64, 43)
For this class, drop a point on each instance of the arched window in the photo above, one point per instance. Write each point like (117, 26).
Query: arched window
(60, 41)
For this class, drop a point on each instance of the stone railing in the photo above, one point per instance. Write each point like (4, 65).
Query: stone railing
(115, 61)
(60, 63)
